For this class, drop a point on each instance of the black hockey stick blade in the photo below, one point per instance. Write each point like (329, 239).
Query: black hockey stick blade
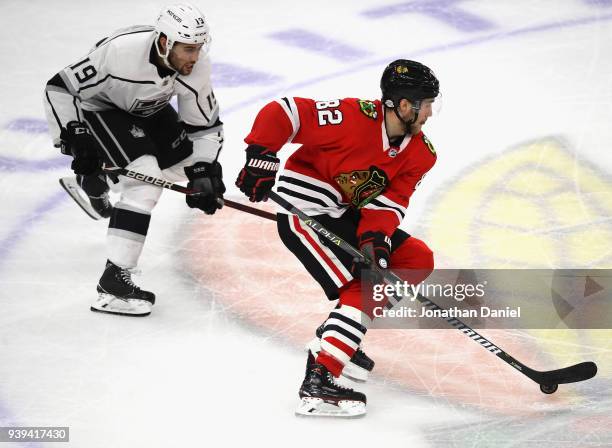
(572, 374)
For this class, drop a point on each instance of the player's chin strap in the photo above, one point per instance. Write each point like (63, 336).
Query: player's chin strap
(164, 57)
(416, 107)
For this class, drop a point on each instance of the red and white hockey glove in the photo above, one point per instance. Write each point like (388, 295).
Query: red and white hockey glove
(377, 247)
(257, 177)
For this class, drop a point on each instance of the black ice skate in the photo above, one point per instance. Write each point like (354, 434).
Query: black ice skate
(117, 294)
(97, 207)
(321, 396)
(359, 367)
(102, 205)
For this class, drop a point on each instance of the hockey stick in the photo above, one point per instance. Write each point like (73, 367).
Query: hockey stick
(179, 188)
(548, 380)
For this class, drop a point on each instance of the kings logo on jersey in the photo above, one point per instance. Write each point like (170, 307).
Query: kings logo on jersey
(144, 108)
(361, 186)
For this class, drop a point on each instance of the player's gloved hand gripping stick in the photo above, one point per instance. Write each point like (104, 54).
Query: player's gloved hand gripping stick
(77, 140)
(186, 190)
(548, 380)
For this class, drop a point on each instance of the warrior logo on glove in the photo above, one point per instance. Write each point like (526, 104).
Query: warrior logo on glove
(257, 177)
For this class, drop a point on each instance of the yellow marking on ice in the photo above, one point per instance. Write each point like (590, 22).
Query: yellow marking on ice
(539, 187)
(534, 206)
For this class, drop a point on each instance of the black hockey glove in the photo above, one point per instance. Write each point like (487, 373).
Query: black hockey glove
(78, 141)
(257, 177)
(377, 247)
(207, 180)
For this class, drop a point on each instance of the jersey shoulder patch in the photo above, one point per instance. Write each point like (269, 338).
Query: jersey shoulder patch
(368, 108)
(429, 145)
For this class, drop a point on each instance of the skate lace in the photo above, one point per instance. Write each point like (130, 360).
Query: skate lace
(126, 276)
(332, 380)
(106, 201)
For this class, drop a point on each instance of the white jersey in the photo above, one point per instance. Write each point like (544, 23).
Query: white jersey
(119, 73)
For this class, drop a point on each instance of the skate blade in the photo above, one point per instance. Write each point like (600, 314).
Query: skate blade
(355, 373)
(316, 407)
(72, 188)
(109, 304)
(351, 371)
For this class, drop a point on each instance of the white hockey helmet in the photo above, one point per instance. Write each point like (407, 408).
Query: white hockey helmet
(184, 23)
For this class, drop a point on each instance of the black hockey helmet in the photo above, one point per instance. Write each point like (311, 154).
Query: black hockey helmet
(410, 80)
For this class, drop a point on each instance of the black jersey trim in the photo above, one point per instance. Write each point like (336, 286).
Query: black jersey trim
(192, 90)
(57, 81)
(380, 204)
(106, 40)
(301, 183)
(286, 101)
(59, 123)
(115, 77)
(76, 108)
(220, 146)
(191, 129)
(302, 196)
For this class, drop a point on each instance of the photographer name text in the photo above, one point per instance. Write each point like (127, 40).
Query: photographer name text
(483, 311)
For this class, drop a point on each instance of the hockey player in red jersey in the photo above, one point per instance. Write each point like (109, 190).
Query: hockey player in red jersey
(358, 164)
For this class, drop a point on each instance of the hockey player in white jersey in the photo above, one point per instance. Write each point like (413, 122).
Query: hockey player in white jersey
(111, 108)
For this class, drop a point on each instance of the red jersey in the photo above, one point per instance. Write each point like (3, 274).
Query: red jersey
(345, 159)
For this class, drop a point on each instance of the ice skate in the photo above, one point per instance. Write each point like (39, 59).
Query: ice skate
(359, 367)
(321, 396)
(117, 294)
(101, 205)
(97, 207)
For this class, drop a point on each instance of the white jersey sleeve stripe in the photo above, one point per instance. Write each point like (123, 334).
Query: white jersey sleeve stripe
(110, 157)
(385, 200)
(112, 136)
(290, 108)
(383, 203)
(373, 206)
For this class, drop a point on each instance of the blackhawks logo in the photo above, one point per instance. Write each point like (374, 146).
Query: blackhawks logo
(429, 145)
(368, 108)
(361, 186)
